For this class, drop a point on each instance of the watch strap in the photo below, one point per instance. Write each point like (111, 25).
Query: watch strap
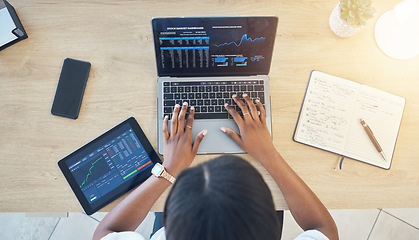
(168, 177)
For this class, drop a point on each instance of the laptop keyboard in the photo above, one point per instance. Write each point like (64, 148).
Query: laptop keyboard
(209, 97)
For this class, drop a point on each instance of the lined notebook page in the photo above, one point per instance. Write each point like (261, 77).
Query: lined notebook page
(382, 111)
(327, 111)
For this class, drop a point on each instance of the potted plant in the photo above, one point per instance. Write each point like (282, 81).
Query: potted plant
(350, 16)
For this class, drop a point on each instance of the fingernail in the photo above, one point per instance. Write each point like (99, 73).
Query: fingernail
(234, 95)
(166, 117)
(225, 105)
(257, 100)
(204, 132)
(223, 129)
(192, 108)
(185, 103)
(177, 105)
(244, 95)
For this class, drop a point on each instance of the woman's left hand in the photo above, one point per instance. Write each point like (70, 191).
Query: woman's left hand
(179, 150)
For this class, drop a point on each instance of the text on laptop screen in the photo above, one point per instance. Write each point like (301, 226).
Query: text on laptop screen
(214, 46)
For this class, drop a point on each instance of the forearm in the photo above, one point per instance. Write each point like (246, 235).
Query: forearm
(306, 208)
(130, 212)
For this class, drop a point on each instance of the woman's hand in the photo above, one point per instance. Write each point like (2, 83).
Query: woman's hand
(254, 136)
(179, 150)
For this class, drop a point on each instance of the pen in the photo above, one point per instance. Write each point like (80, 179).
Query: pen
(373, 139)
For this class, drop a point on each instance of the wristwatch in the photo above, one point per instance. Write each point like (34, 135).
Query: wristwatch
(159, 171)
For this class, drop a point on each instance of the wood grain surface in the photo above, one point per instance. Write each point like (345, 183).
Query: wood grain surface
(116, 37)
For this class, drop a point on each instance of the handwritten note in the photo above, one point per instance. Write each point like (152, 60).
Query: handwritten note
(331, 112)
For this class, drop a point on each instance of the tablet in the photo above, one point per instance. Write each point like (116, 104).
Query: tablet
(109, 166)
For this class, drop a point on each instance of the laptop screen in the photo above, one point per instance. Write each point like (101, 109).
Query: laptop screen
(214, 46)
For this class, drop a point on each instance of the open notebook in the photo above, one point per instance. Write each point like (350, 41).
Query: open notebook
(330, 118)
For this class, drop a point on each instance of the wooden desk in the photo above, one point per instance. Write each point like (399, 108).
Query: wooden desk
(116, 37)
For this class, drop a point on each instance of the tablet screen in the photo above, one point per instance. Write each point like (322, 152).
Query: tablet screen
(110, 165)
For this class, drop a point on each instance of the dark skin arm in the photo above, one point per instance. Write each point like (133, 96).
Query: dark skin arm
(255, 139)
(179, 152)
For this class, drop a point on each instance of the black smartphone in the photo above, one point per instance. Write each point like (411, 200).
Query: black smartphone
(70, 88)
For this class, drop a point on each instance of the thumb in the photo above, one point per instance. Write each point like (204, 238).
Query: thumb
(233, 135)
(198, 140)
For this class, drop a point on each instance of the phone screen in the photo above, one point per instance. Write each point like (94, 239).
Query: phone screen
(70, 88)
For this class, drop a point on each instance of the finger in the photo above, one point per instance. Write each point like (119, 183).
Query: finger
(189, 121)
(198, 140)
(241, 104)
(233, 135)
(174, 121)
(236, 116)
(262, 111)
(252, 107)
(165, 130)
(181, 118)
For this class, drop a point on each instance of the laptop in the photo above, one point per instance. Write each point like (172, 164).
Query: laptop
(204, 61)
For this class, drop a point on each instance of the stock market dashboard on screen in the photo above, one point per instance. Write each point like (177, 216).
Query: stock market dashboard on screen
(110, 165)
(211, 46)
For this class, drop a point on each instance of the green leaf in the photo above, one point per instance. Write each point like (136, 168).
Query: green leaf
(344, 15)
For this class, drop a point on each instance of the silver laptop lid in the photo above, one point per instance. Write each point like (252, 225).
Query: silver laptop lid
(214, 46)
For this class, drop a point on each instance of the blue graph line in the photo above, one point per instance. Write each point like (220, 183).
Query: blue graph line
(244, 38)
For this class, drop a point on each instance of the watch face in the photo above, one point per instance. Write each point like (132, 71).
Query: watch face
(157, 169)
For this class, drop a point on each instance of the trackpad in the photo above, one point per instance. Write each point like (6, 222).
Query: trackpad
(216, 141)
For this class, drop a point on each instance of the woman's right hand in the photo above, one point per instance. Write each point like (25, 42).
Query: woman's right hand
(254, 136)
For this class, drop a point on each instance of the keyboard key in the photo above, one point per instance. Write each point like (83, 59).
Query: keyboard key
(215, 88)
(213, 102)
(191, 95)
(193, 102)
(217, 108)
(222, 88)
(253, 95)
(243, 88)
(211, 116)
(200, 102)
(198, 95)
(168, 109)
(221, 102)
(188, 89)
(173, 89)
(207, 102)
(258, 88)
(210, 108)
(219, 95)
(229, 88)
(212, 95)
(184, 95)
(228, 101)
(208, 89)
(226, 95)
(204, 95)
(201, 88)
(177, 95)
(181, 89)
(203, 109)
(168, 96)
(169, 103)
(166, 83)
(249, 87)
(197, 109)
(179, 102)
(236, 88)
(261, 96)
(166, 89)
(194, 89)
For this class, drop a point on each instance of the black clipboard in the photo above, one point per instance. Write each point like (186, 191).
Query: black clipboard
(19, 31)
